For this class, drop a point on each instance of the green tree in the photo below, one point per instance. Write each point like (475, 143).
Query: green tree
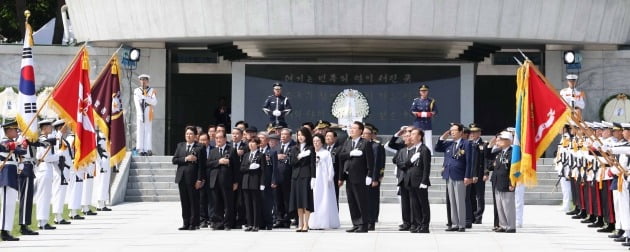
(12, 17)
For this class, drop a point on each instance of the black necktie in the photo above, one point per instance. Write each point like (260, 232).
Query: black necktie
(189, 147)
(354, 144)
(410, 152)
(221, 152)
(282, 149)
(329, 148)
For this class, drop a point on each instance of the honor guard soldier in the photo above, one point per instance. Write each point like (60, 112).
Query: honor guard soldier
(46, 160)
(277, 106)
(424, 109)
(9, 152)
(104, 173)
(26, 177)
(144, 98)
(61, 172)
(573, 96)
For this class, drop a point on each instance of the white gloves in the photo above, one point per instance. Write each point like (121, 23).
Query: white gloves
(368, 181)
(254, 166)
(423, 186)
(262, 187)
(303, 154)
(415, 157)
(605, 148)
(276, 113)
(312, 183)
(356, 153)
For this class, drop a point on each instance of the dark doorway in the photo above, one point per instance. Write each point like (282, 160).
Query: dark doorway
(495, 102)
(192, 99)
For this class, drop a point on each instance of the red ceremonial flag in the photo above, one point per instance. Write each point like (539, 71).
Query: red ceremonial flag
(108, 110)
(71, 100)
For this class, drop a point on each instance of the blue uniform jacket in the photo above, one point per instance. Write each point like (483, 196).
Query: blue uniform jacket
(458, 160)
(423, 105)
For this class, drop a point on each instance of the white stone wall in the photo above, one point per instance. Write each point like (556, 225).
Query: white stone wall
(557, 21)
(51, 61)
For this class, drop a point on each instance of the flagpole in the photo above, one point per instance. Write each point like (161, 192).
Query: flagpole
(579, 121)
(63, 76)
(101, 73)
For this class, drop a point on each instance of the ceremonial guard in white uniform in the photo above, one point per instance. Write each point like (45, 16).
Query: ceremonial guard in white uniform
(76, 183)
(46, 160)
(573, 96)
(61, 172)
(144, 98)
(101, 183)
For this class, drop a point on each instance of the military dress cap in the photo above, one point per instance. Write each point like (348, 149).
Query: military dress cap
(251, 129)
(144, 76)
(606, 124)
(474, 127)
(572, 77)
(277, 84)
(45, 122)
(588, 124)
(625, 126)
(617, 126)
(59, 123)
(11, 124)
(274, 136)
(321, 124)
(423, 87)
(506, 135)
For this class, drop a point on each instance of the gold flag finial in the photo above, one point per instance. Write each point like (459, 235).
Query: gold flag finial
(27, 14)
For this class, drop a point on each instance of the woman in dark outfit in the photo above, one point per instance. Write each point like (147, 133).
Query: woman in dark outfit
(302, 178)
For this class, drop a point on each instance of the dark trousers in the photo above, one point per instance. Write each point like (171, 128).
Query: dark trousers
(469, 205)
(374, 200)
(494, 206)
(357, 203)
(608, 209)
(25, 186)
(405, 205)
(224, 204)
(239, 207)
(575, 194)
(337, 192)
(448, 208)
(478, 199)
(420, 209)
(267, 204)
(251, 198)
(189, 198)
(596, 200)
(586, 204)
(206, 204)
(281, 193)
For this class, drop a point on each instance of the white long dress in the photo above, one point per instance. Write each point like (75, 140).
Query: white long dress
(326, 214)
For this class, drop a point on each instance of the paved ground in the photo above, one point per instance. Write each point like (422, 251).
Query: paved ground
(153, 227)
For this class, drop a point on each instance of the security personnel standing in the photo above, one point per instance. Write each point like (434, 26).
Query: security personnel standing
(424, 109)
(477, 189)
(277, 106)
(9, 151)
(144, 98)
(26, 177)
(573, 96)
(46, 159)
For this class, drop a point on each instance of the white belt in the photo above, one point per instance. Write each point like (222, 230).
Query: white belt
(10, 163)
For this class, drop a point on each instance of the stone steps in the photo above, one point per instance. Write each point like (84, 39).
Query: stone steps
(152, 179)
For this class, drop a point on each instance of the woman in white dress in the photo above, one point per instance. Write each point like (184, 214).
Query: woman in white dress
(326, 214)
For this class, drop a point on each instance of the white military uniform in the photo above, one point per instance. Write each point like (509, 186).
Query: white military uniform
(564, 171)
(101, 183)
(144, 100)
(75, 184)
(88, 185)
(572, 96)
(44, 180)
(61, 173)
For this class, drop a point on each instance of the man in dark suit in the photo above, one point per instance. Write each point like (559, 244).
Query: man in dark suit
(457, 172)
(417, 182)
(374, 190)
(241, 148)
(224, 166)
(357, 160)
(334, 148)
(478, 188)
(190, 158)
(271, 160)
(281, 180)
(206, 198)
(399, 160)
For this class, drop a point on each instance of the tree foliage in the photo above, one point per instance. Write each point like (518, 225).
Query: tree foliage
(12, 16)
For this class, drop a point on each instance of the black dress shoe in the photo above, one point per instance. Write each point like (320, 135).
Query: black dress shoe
(77, 217)
(278, 225)
(24, 230)
(415, 230)
(351, 230)
(590, 219)
(580, 215)
(248, 229)
(469, 225)
(62, 222)
(607, 229)
(371, 227)
(461, 230)
(254, 229)
(47, 227)
(596, 224)
(363, 229)
(451, 229)
(218, 227)
(616, 234)
(423, 230)
(477, 222)
(510, 231)
(500, 230)
(404, 228)
(192, 228)
(574, 212)
(204, 225)
(184, 227)
(495, 229)
(627, 244)
(89, 213)
(8, 237)
(105, 209)
(621, 239)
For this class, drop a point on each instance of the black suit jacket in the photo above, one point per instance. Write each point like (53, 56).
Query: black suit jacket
(228, 174)
(283, 170)
(305, 167)
(479, 162)
(395, 144)
(252, 179)
(186, 170)
(272, 153)
(379, 161)
(334, 155)
(355, 169)
(501, 170)
(418, 171)
(400, 159)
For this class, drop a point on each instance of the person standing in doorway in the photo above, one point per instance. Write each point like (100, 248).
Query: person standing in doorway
(145, 98)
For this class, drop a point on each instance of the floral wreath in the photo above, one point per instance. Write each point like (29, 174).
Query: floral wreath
(362, 108)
